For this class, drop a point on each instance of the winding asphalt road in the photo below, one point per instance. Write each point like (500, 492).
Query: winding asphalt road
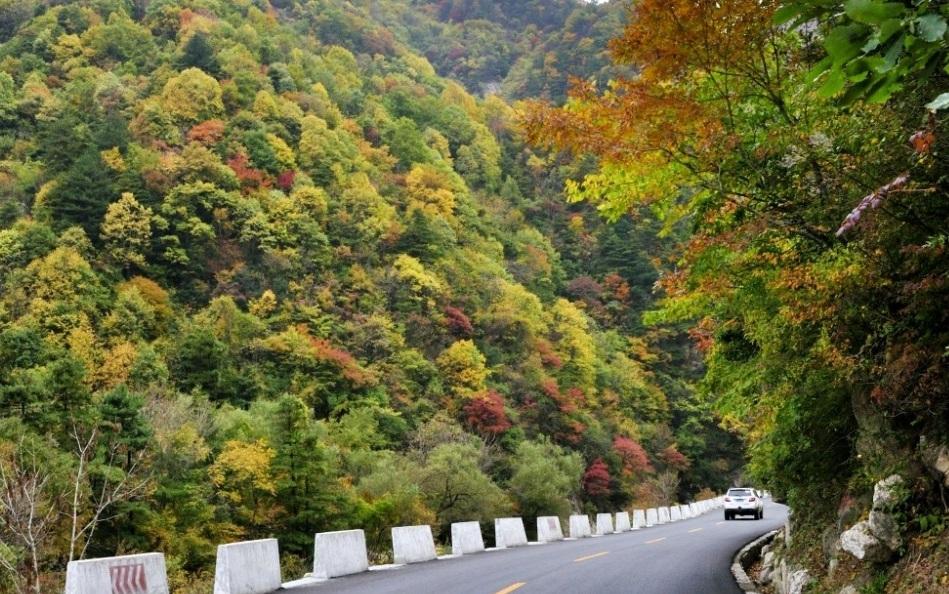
(686, 557)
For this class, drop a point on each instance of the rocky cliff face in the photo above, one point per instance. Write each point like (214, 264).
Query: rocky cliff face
(877, 545)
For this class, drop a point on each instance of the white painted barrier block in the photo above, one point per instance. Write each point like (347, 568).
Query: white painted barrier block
(413, 544)
(652, 517)
(509, 532)
(548, 529)
(466, 538)
(639, 519)
(685, 511)
(604, 524)
(622, 522)
(339, 553)
(664, 515)
(250, 567)
(693, 510)
(675, 514)
(580, 526)
(129, 574)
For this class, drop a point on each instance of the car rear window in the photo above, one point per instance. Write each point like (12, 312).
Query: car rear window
(740, 492)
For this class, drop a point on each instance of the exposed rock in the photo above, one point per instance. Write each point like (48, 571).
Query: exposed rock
(788, 579)
(764, 577)
(936, 458)
(885, 528)
(796, 581)
(830, 542)
(886, 492)
(860, 542)
(849, 589)
(768, 560)
(832, 564)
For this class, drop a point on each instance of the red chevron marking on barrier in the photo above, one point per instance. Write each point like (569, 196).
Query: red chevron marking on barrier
(128, 579)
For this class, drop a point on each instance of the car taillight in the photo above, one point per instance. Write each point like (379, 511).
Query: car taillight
(728, 499)
(751, 499)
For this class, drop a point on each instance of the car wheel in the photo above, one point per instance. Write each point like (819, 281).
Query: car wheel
(761, 515)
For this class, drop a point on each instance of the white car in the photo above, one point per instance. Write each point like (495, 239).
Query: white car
(742, 501)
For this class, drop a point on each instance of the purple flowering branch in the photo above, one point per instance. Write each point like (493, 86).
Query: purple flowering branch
(872, 200)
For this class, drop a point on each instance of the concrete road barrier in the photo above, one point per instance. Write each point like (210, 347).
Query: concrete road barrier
(130, 574)
(675, 514)
(466, 538)
(622, 522)
(686, 511)
(548, 529)
(664, 515)
(694, 509)
(509, 532)
(250, 567)
(639, 519)
(604, 524)
(580, 526)
(340, 553)
(413, 544)
(652, 517)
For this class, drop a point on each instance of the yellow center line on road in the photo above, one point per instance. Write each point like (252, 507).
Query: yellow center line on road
(588, 557)
(694, 530)
(655, 540)
(719, 523)
(510, 588)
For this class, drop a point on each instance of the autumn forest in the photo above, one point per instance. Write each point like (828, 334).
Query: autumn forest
(276, 267)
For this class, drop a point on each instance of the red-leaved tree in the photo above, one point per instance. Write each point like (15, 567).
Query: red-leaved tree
(632, 454)
(596, 480)
(485, 414)
(675, 458)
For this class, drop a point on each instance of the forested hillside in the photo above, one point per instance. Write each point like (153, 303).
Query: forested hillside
(265, 272)
(520, 48)
(804, 142)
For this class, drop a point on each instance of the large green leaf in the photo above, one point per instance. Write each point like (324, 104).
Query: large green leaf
(872, 12)
(786, 13)
(834, 83)
(932, 27)
(844, 43)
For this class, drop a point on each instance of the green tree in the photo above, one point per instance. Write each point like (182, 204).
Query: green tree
(545, 479)
(199, 53)
(456, 488)
(123, 421)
